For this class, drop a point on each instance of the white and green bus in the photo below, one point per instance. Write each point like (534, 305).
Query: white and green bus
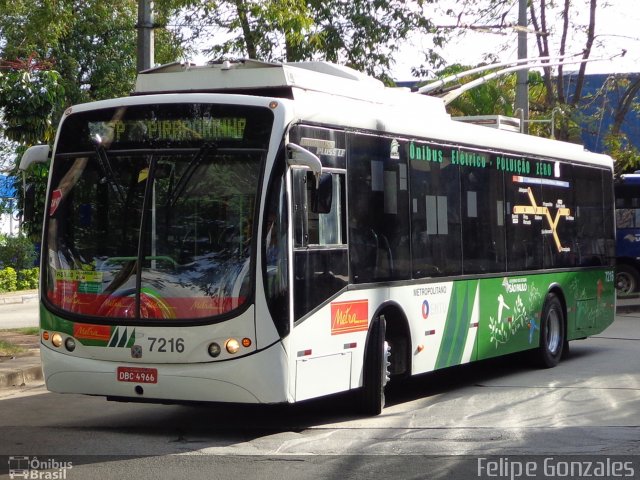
(266, 233)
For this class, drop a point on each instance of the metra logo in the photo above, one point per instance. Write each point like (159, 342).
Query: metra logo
(85, 331)
(121, 339)
(349, 317)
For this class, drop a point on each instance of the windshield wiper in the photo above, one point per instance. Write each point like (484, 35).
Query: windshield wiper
(205, 150)
(107, 171)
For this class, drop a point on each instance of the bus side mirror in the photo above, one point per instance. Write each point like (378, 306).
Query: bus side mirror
(300, 156)
(322, 195)
(34, 154)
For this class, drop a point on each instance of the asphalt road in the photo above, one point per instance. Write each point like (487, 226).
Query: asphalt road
(19, 315)
(436, 426)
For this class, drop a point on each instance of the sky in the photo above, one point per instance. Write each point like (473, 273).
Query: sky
(617, 28)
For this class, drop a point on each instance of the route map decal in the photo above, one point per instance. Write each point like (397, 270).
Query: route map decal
(544, 211)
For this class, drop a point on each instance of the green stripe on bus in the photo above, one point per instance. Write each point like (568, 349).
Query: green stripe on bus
(457, 326)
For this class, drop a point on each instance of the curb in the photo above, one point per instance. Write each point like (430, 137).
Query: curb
(20, 377)
(627, 309)
(18, 297)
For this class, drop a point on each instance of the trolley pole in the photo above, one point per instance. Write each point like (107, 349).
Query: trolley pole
(145, 51)
(522, 87)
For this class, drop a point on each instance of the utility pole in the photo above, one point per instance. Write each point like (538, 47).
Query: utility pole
(522, 87)
(145, 35)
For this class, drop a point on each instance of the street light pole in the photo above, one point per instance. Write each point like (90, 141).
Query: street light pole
(522, 86)
(145, 51)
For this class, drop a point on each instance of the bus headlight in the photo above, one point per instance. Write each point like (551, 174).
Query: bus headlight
(232, 345)
(214, 350)
(70, 344)
(56, 340)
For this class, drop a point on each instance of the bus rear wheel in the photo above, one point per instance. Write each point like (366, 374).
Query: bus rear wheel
(552, 332)
(626, 279)
(376, 369)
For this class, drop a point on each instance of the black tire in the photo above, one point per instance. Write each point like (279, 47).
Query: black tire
(375, 370)
(627, 279)
(552, 333)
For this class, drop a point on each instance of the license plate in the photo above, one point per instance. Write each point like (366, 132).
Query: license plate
(137, 374)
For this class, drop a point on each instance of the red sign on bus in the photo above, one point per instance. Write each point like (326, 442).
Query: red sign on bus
(347, 317)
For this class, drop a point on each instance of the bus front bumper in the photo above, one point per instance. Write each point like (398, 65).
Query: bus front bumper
(257, 378)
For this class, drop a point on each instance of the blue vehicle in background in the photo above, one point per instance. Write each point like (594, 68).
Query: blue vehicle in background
(627, 193)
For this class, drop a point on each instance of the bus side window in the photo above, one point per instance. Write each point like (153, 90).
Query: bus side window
(319, 212)
(320, 254)
(275, 248)
(379, 209)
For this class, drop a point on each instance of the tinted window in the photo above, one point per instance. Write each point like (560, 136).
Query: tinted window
(523, 198)
(561, 247)
(327, 144)
(274, 253)
(591, 231)
(483, 217)
(320, 253)
(379, 237)
(151, 210)
(435, 211)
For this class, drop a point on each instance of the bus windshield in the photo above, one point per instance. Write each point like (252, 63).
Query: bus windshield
(151, 210)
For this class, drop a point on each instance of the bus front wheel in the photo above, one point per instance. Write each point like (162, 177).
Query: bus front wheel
(376, 369)
(552, 332)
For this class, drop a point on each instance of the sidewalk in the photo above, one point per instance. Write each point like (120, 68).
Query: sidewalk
(18, 297)
(24, 368)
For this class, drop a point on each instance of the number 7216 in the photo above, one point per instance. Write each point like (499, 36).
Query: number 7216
(166, 345)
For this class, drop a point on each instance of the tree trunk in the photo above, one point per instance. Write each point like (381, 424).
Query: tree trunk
(625, 104)
(563, 44)
(243, 16)
(577, 95)
(540, 26)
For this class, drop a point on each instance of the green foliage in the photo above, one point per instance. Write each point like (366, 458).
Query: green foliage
(17, 255)
(362, 34)
(54, 54)
(8, 280)
(497, 97)
(28, 279)
(29, 99)
(9, 349)
(625, 154)
(494, 97)
(17, 252)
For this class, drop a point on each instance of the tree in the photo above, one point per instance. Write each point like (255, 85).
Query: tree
(58, 53)
(555, 25)
(29, 96)
(495, 97)
(625, 90)
(92, 43)
(551, 24)
(362, 34)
